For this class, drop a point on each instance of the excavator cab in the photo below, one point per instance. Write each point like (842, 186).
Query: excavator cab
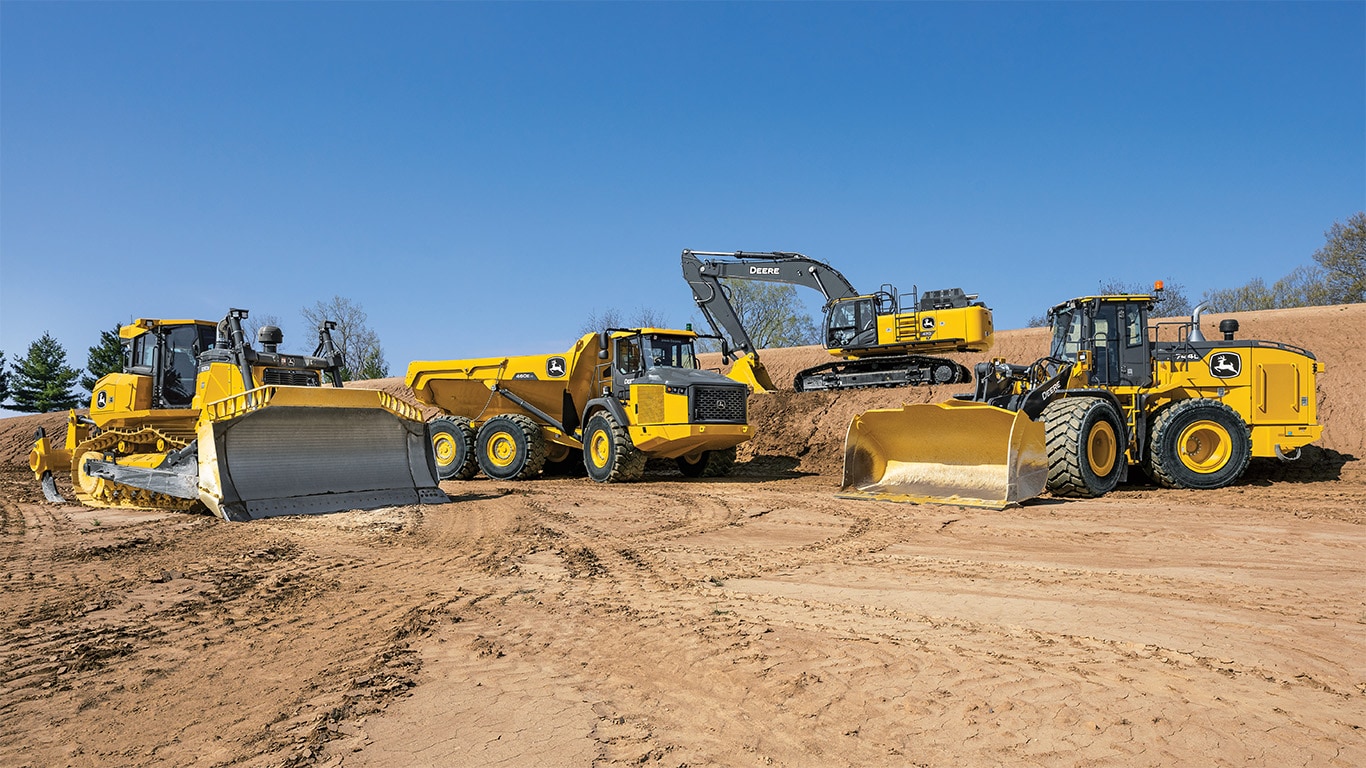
(851, 323)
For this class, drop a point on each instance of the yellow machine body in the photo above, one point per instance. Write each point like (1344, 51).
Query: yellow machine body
(180, 427)
(923, 332)
(646, 378)
(1190, 412)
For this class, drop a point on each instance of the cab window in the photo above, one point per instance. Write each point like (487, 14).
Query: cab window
(628, 354)
(181, 364)
(669, 352)
(1067, 330)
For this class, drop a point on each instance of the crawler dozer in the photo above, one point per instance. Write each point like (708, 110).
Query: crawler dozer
(197, 416)
(1110, 395)
(881, 341)
(613, 400)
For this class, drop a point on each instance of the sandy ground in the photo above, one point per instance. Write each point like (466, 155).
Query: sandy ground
(755, 621)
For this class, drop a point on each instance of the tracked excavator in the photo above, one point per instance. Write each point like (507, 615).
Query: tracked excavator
(198, 416)
(1110, 395)
(881, 341)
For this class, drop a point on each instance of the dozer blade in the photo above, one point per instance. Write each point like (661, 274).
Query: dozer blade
(285, 459)
(956, 452)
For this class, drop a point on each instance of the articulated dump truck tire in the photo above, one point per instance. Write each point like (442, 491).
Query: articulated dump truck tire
(453, 447)
(314, 452)
(956, 452)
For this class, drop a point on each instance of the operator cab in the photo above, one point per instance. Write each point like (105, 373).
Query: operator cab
(168, 352)
(851, 323)
(642, 352)
(1113, 329)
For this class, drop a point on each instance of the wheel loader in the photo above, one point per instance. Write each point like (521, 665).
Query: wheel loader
(1110, 395)
(197, 416)
(881, 340)
(612, 401)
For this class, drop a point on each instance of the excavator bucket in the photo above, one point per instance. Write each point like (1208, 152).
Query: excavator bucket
(748, 370)
(956, 452)
(294, 450)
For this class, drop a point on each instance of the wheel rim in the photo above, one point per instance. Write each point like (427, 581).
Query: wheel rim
(599, 449)
(501, 450)
(443, 448)
(1204, 447)
(1102, 448)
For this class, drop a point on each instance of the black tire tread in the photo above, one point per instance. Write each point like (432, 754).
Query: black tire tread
(464, 429)
(1163, 468)
(535, 442)
(1063, 420)
(628, 463)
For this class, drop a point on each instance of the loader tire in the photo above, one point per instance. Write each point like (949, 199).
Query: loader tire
(1085, 438)
(510, 447)
(608, 453)
(1199, 443)
(717, 463)
(453, 448)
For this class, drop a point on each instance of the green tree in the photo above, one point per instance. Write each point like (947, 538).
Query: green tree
(105, 358)
(359, 345)
(1254, 295)
(42, 380)
(1343, 259)
(771, 314)
(4, 379)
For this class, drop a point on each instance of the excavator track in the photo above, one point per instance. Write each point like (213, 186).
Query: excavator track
(118, 443)
(894, 371)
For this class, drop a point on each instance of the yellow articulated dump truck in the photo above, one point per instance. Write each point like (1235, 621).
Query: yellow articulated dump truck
(197, 416)
(1187, 411)
(613, 400)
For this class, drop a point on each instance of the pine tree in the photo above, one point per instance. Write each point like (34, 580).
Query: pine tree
(42, 380)
(4, 380)
(105, 358)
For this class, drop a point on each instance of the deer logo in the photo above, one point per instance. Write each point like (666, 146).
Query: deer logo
(554, 367)
(1226, 365)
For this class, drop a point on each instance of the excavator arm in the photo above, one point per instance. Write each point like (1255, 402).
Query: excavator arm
(704, 271)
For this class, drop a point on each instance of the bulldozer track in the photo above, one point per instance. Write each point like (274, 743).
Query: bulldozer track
(122, 442)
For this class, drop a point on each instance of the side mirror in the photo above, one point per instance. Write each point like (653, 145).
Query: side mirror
(604, 342)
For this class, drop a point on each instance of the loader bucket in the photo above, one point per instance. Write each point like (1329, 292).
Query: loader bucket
(313, 451)
(956, 452)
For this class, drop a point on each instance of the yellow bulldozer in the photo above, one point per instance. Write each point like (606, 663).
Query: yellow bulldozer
(1110, 395)
(198, 416)
(605, 406)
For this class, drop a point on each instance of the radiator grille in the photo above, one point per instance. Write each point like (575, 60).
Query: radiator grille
(719, 404)
(289, 378)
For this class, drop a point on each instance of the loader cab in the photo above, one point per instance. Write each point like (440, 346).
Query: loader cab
(167, 352)
(1113, 330)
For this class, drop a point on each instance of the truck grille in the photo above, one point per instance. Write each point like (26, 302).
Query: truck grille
(719, 404)
(289, 378)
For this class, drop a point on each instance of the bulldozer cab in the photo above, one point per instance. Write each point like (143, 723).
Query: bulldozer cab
(1113, 330)
(167, 351)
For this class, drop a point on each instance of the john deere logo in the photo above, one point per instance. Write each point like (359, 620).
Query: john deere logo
(101, 399)
(927, 323)
(554, 367)
(1226, 365)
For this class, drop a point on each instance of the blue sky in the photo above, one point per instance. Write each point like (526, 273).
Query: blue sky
(483, 176)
